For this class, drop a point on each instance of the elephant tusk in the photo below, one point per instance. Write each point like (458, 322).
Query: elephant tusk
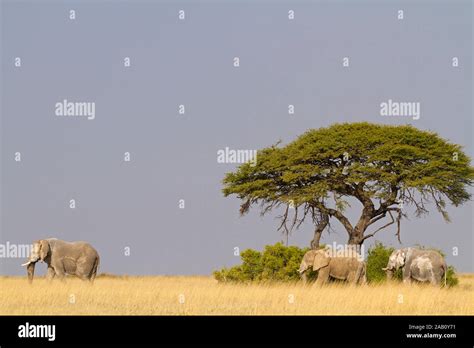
(384, 268)
(26, 263)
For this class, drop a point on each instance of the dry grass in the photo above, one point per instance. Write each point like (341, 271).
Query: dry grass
(161, 295)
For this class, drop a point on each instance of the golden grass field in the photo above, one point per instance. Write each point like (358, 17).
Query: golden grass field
(201, 295)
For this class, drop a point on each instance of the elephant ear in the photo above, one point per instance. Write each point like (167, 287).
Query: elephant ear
(44, 249)
(320, 260)
(309, 256)
(401, 257)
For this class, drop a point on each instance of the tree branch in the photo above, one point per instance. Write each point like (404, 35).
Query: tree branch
(342, 219)
(381, 228)
(377, 218)
(334, 213)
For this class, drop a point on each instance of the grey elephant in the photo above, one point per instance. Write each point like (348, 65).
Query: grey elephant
(351, 269)
(418, 264)
(74, 258)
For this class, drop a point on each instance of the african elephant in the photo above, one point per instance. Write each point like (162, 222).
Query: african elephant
(350, 269)
(75, 258)
(418, 264)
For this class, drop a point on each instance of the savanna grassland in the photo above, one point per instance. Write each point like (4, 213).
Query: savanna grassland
(186, 295)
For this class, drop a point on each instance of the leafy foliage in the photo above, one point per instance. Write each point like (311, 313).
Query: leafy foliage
(379, 165)
(377, 258)
(451, 277)
(276, 263)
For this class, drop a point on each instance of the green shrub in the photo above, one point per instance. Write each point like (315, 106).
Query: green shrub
(451, 277)
(280, 262)
(251, 267)
(276, 263)
(233, 274)
(377, 258)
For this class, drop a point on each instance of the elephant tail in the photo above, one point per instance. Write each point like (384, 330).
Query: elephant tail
(94, 268)
(445, 275)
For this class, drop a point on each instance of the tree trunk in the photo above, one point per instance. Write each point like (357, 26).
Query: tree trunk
(318, 231)
(316, 238)
(355, 238)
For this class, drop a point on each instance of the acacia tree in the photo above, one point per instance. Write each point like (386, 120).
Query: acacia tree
(385, 168)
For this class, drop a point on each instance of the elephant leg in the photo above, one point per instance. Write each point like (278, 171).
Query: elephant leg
(94, 271)
(51, 274)
(83, 272)
(87, 270)
(363, 277)
(323, 276)
(60, 274)
(406, 276)
(351, 278)
(440, 278)
(435, 279)
(360, 274)
(83, 276)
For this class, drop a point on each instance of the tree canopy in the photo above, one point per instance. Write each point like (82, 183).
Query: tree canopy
(384, 167)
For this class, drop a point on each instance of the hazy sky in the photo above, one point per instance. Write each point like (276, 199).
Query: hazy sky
(190, 62)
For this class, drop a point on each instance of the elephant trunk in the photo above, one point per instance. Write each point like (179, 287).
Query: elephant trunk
(31, 271)
(302, 269)
(389, 273)
(302, 272)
